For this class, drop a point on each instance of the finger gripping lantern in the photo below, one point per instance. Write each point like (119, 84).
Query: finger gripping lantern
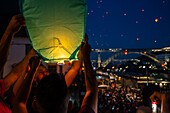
(56, 28)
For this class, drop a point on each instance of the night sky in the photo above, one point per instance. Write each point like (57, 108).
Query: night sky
(128, 23)
(117, 23)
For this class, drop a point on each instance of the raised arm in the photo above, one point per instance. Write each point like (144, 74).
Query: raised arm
(18, 71)
(91, 97)
(165, 99)
(72, 72)
(14, 26)
(24, 91)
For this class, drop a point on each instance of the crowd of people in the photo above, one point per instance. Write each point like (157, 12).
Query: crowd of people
(119, 100)
(34, 90)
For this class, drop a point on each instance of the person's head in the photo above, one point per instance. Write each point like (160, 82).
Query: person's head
(51, 95)
(41, 72)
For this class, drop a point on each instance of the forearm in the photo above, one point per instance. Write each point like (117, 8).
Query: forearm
(91, 97)
(19, 105)
(4, 47)
(70, 76)
(19, 69)
(24, 92)
(90, 76)
(18, 83)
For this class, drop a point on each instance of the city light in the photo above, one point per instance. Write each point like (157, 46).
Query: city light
(125, 52)
(162, 65)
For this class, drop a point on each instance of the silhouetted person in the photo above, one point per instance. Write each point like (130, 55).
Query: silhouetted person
(52, 94)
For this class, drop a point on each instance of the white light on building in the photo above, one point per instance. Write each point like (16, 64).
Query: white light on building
(154, 107)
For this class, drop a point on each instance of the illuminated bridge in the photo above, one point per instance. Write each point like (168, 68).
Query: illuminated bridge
(150, 53)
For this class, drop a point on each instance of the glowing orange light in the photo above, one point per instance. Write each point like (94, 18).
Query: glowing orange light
(156, 20)
(88, 13)
(125, 52)
(125, 14)
(143, 10)
(113, 85)
(155, 41)
(103, 16)
(137, 21)
(160, 17)
(162, 64)
(145, 52)
(92, 11)
(137, 38)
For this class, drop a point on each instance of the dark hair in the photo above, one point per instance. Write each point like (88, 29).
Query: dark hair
(51, 93)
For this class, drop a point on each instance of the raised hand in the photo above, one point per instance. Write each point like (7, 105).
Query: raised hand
(16, 23)
(34, 62)
(85, 49)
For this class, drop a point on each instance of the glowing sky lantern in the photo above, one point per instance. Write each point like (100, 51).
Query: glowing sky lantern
(56, 28)
(156, 20)
(137, 38)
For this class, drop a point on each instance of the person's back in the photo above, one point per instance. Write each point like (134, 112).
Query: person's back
(51, 94)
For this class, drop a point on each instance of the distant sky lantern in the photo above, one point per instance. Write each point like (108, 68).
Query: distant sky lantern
(107, 12)
(124, 14)
(137, 38)
(155, 41)
(143, 10)
(56, 28)
(137, 22)
(160, 17)
(156, 20)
